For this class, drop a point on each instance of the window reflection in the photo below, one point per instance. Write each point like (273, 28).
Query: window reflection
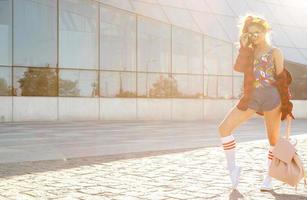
(34, 81)
(78, 34)
(187, 52)
(217, 57)
(5, 81)
(212, 86)
(155, 85)
(118, 40)
(205, 89)
(225, 87)
(154, 46)
(5, 32)
(78, 83)
(117, 84)
(188, 86)
(35, 33)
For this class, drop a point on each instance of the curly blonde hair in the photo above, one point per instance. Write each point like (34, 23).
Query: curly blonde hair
(252, 19)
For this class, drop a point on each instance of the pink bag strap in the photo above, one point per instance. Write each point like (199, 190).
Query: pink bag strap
(288, 127)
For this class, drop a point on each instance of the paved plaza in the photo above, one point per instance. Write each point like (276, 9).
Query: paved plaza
(136, 160)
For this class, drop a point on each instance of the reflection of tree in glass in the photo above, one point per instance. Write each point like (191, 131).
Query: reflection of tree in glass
(5, 90)
(127, 93)
(38, 82)
(69, 88)
(122, 92)
(164, 87)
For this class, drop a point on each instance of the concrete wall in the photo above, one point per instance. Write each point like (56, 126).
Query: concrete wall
(73, 108)
(6, 109)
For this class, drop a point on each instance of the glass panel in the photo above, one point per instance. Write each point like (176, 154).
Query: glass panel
(238, 86)
(35, 33)
(220, 7)
(34, 81)
(293, 54)
(154, 46)
(304, 53)
(279, 14)
(279, 37)
(187, 52)
(174, 3)
(149, 9)
(155, 85)
(205, 88)
(217, 57)
(225, 87)
(230, 26)
(118, 40)
(188, 86)
(197, 5)
(6, 32)
(5, 81)
(261, 9)
(78, 34)
(123, 4)
(239, 7)
(78, 83)
(297, 36)
(209, 25)
(117, 84)
(181, 17)
(212, 86)
(298, 14)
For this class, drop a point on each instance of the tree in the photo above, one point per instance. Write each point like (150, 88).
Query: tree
(164, 87)
(39, 82)
(68, 88)
(5, 90)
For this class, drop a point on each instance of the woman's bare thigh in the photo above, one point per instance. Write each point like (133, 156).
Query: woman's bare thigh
(272, 123)
(233, 119)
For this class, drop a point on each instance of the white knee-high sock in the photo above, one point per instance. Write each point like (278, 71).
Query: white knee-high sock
(229, 146)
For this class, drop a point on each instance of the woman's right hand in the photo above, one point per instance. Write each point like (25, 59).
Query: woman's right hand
(244, 39)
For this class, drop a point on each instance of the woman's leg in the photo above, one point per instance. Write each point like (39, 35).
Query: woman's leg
(272, 124)
(233, 118)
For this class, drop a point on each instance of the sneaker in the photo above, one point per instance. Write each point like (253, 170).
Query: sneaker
(234, 176)
(266, 184)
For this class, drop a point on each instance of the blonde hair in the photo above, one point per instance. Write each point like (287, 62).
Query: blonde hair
(252, 19)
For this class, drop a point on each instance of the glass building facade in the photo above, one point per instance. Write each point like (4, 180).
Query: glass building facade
(136, 48)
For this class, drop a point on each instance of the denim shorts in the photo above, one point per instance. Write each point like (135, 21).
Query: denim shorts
(264, 98)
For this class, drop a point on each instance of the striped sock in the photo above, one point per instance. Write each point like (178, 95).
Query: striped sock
(229, 146)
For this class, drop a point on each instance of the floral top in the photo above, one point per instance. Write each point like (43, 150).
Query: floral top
(244, 64)
(264, 70)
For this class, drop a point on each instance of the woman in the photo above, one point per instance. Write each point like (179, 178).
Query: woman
(266, 92)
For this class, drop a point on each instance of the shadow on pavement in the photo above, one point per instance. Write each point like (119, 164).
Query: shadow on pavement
(30, 167)
(235, 194)
(279, 196)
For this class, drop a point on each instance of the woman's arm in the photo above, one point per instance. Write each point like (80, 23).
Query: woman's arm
(278, 60)
(243, 60)
(283, 80)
